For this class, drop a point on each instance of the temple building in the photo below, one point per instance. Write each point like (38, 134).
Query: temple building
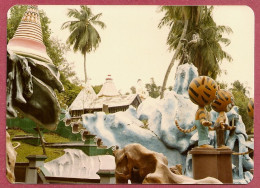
(108, 100)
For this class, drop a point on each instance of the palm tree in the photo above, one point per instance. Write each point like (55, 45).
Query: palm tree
(205, 54)
(177, 18)
(83, 35)
(208, 53)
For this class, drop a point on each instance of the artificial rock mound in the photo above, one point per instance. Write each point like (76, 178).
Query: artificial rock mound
(152, 125)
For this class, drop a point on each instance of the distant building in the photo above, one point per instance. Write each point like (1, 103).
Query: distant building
(109, 98)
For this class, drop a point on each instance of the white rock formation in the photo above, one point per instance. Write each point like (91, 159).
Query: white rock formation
(76, 164)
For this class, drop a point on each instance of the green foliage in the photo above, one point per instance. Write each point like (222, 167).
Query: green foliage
(153, 89)
(84, 36)
(26, 149)
(16, 14)
(207, 53)
(71, 91)
(97, 88)
(146, 124)
(222, 85)
(239, 92)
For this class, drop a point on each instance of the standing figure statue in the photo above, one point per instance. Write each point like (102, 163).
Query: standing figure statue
(223, 102)
(202, 92)
(250, 108)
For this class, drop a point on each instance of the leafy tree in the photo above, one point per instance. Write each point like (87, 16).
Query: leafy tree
(153, 89)
(70, 92)
(239, 92)
(83, 35)
(181, 16)
(15, 16)
(205, 52)
(222, 85)
(97, 88)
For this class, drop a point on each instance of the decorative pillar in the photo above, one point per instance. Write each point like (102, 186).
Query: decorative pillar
(35, 161)
(107, 176)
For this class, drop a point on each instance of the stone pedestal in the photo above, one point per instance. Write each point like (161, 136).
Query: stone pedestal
(107, 176)
(215, 163)
(35, 161)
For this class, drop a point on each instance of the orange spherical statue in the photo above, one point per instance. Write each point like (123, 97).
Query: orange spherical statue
(250, 108)
(223, 101)
(202, 90)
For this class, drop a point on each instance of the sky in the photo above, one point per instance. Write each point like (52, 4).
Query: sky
(133, 47)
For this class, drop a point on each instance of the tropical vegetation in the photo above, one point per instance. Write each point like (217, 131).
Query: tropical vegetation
(240, 92)
(195, 27)
(83, 35)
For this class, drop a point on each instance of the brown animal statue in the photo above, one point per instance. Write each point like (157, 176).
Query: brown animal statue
(136, 163)
(10, 159)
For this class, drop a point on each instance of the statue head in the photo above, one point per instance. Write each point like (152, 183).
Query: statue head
(250, 108)
(202, 90)
(224, 101)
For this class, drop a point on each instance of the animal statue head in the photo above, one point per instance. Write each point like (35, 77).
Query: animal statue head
(31, 75)
(250, 108)
(202, 90)
(223, 102)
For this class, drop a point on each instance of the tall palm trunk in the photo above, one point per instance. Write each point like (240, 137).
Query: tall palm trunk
(174, 57)
(85, 68)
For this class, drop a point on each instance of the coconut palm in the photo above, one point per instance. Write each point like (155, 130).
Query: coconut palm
(205, 54)
(208, 53)
(177, 18)
(83, 35)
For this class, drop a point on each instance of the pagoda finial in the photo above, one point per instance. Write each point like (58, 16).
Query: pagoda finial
(28, 39)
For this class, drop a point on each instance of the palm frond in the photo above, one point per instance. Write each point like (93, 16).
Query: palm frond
(73, 13)
(99, 23)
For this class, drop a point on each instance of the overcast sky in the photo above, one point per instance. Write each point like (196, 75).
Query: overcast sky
(133, 47)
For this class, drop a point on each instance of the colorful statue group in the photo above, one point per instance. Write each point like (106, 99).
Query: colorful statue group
(203, 91)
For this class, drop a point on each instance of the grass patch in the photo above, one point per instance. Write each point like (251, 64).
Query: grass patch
(145, 122)
(54, 138)
(26, 149)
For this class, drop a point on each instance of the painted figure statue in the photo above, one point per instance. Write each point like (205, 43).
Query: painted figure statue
(222, 103)
(202, 91)
(250, 108)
